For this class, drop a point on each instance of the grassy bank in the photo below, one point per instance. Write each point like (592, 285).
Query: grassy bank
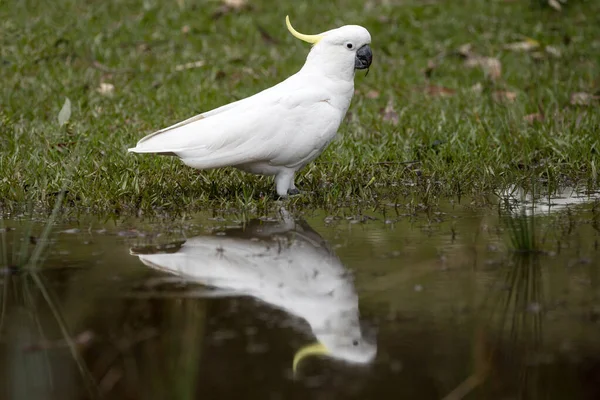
(432, 118)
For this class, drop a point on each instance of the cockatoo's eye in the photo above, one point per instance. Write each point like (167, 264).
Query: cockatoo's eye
(350, 46)
(355, 343)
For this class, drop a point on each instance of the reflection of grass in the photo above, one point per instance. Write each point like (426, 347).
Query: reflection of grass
(521, 318)
(514, 317)
(521, 230)
(21, 272)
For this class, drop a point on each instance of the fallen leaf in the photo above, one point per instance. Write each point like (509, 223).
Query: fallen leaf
(235, 4)
(465, 50)
(555, 4)
(538, 55)
(431, 66)
(553, 51)
(229, 6)
(185, 29)
(583, 99)
(65, 113)
(535, 117)
(526, 45)
(490, 65)
(372, 94)
(190, 65)
(504, 95)
(106, 89)
(477, 88)
(441, 91)
(389, 114)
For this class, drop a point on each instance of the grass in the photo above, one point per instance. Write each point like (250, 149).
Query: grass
(415, 128)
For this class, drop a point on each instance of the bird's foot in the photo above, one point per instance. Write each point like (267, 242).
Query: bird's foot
(293, 192)
(278, 197)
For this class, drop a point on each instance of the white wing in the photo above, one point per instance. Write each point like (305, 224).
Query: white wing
(282, 124)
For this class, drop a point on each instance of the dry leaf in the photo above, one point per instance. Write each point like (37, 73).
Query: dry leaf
(555, 4)
(389, 114)
(536, 117)
(477, 88)
(583, 99)
(504, 95)
(65, 113)
(235, 4)
(185, 29)
(431, 65)
(372, 94)
(230, 5)
(490, 65)
(441, 91)
(190, 65)
(465, 50)
(526, 45)
(106, 89)
(553, 51)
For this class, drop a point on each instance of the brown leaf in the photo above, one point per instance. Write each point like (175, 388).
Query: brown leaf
(431, 65)
(372, 94)
(389, 114)
(555, 4)
(504, 95)
(235, 4)
(526, 45)
(477, 88)
(229, 6)
(441, 91)
(190, 65)
(106, 89)
(535, 117)
(490, 65)
(553, 51)
(583, 99)
(465, 50)
(185, 29)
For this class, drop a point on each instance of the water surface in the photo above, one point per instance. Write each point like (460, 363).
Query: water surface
(470, 299)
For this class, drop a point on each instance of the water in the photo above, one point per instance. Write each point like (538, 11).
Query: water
(417, 303)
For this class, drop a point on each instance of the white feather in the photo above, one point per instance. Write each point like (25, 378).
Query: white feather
(279, 130)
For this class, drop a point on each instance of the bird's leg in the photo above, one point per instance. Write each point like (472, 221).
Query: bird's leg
(283, 180)
(292, 190)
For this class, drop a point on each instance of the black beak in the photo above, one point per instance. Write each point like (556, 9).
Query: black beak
(363, 57)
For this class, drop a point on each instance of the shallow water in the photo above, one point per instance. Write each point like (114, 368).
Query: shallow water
(426, 303)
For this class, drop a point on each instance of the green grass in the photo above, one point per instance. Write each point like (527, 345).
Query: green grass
(468, 143)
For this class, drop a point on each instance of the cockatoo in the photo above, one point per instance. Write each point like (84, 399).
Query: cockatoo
(285, 264)
(281, 129)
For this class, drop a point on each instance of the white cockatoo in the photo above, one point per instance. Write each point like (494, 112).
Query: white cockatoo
(281, 129)
(285, 264)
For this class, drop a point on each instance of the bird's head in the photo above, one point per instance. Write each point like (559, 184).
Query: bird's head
(338, 51)
(339, 337)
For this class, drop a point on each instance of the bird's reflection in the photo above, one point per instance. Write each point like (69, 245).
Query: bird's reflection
(286, 264)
